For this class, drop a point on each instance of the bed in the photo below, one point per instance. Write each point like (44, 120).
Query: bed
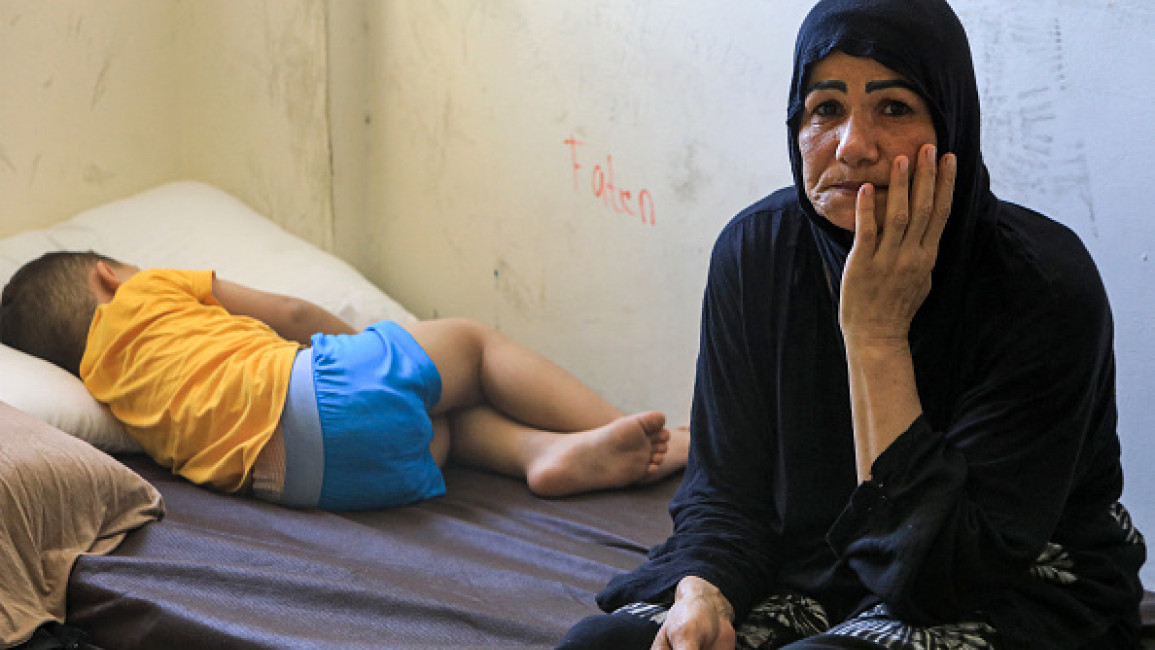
(162, 563)
(488, 565)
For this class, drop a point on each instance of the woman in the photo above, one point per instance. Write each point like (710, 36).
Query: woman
(904, 423)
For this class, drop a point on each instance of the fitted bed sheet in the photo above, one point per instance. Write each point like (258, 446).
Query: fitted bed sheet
(487, 566)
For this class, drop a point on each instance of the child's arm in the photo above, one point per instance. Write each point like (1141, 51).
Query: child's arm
(292, 318)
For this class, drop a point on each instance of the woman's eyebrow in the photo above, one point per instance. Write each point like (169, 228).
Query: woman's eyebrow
(872, 86)
(826, 85)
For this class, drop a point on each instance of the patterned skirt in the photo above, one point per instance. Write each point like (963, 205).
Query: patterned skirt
(782, 619)
(785, 618)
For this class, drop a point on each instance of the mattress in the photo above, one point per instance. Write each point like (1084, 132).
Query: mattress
(487, 566)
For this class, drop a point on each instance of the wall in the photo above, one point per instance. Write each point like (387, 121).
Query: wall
(595, 252)
(88, 107)
(350, 127)
(253, 109)
(592, 252)
(102, 100)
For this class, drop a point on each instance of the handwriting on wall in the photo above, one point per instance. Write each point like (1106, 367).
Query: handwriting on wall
(599, 179)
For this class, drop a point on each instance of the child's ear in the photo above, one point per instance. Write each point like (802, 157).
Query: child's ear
(105, 281)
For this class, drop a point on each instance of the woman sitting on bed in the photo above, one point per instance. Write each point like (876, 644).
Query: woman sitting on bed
(904, 417)
(240, 389)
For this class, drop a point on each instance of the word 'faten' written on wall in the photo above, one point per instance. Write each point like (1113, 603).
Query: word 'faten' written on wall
(601, 184)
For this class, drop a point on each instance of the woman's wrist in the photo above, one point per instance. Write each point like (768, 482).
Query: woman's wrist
(883, 394)
(693, 587)
(877, 346)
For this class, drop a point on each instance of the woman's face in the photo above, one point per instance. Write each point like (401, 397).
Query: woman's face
(859, 116)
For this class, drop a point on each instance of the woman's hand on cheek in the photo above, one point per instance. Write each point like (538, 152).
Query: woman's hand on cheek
(888, 273)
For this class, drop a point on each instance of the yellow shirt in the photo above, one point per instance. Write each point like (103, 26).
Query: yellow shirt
(200, 389)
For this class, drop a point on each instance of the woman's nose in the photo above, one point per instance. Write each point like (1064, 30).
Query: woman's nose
(858, 143)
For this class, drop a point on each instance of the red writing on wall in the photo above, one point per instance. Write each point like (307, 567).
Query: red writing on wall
(602, 186)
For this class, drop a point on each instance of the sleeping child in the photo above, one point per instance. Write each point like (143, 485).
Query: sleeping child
(248, 391)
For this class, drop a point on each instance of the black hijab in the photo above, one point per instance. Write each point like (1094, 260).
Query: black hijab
(923, 41)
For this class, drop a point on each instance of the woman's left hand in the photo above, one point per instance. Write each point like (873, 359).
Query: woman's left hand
(888, 273)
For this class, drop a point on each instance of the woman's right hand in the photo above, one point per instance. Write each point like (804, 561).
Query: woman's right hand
(700, 619)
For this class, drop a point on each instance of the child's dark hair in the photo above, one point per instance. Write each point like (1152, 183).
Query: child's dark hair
(48, 306)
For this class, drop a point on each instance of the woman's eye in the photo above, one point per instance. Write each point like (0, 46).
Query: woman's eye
(896, 108)
(827, 108)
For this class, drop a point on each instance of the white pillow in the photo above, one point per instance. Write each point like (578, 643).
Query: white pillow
(52, 394)
(179, 225)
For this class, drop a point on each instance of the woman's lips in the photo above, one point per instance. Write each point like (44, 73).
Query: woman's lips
(852, 187)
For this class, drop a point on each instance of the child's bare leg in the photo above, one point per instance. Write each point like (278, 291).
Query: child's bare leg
(626, 451)
(530, 400)
(479, 365)
(439, 447)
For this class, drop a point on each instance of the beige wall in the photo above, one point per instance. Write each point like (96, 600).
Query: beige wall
(87, 105)
(253, 106)
(476, 207)
(350, 124)
(104, 99)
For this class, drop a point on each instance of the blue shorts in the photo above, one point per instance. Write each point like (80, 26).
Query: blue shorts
(357, 427)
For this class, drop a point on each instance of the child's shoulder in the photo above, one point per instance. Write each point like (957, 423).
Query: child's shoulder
(163, 279)
(150, 290)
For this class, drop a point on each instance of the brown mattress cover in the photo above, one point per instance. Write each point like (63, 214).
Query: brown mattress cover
(486, 566)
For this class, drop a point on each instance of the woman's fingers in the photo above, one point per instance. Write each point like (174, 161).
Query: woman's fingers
(923, 193)
(865, 227)
(943, 197)
(661, 641)
(917, 205)
(897, 221)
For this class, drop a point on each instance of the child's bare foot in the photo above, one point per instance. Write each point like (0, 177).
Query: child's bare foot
(673, 459)
(626, 451)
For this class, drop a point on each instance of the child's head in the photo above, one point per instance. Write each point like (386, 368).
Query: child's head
(48, 305)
